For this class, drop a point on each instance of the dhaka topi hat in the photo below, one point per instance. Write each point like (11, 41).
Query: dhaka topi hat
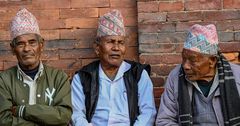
(24, 22)
(110, 24)
(202, 39)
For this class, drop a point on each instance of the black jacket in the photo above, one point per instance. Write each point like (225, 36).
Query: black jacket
(90, 82)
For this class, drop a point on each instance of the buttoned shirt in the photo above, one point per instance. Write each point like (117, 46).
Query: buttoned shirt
(112, 105)
(31, 83)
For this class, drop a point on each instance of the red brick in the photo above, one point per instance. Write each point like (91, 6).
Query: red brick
(203, 5)
(87, 61)
(161, 59)
(130, 21)
(157, 95)
(129, 15)
(145, 18)
(50, 55)
(7, 55)
(65, 64)
(151, 6)
(162, 69)
(46, 24)
(132, 53)
(8, 64)
(158, 92)
(179, 47)
(123, 3)
(81, 22)
(224, 25)
(231, 4)
(171, 6)
(229, 46)
(148, 38)
(46, 14)
(226, 36)
(157, 48)
(50, 4)
(221, 15)
(154, 28)
(126, 12)
(184, 26)
(64, 44)
(176, 37)
(89, 3)
(48, 19)
(237, 36)
(157, 81)
(4, 25)
(85, 43)
(15, 3)
(5, 45)
(153, 0)
(50, 34)
(228, 25)
(79, 13)
(77, 53)
(4, 35)
(184, 16)
(131, 33)
(157, 103)
(81, 34)
(7, 14)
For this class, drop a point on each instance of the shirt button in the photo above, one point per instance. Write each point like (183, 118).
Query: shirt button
(23, 101)
(38, 95)
(24, 85)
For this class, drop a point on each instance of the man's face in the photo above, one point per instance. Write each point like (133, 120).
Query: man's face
(28, 50)
(198, 66)
(111, 50)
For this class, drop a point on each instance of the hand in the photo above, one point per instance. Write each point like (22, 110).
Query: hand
(13, 109)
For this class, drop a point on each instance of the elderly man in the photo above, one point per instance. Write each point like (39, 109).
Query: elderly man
(204, 89)
(112, 91)
(31, 93)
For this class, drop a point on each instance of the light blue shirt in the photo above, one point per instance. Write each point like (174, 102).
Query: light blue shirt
(112, 105)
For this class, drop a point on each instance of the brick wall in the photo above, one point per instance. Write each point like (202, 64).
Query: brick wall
(162, 26)
(69, 28)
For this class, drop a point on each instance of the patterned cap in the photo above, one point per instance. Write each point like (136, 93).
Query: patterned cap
(202, 39)
(111, 24)
(24, 22)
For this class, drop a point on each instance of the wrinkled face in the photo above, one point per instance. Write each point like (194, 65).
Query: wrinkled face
(111, 50)
(198, 66)
(27, 49)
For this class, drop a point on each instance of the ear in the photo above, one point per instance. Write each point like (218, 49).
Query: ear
(42, 45)
(212, 61)
(12, 48)
(96, 48)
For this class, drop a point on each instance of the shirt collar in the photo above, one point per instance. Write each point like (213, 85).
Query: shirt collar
(122, 69)
(213, 87)
(21, 75)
